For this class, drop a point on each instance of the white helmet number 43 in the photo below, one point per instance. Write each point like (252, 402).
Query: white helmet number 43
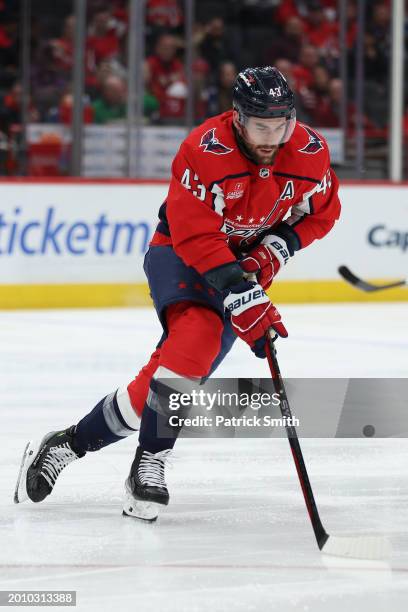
(275, 91)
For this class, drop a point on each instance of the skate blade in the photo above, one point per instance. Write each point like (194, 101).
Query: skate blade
(136, 508)
(30, 453)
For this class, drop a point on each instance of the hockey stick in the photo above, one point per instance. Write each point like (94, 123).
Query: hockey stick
(364, 285)
(356, 547)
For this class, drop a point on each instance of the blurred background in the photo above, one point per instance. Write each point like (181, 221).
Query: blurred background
(109, 88)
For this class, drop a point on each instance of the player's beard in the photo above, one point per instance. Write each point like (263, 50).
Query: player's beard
(264, 154)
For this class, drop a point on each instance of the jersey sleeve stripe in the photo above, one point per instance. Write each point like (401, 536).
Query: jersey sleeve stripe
(229, 176)
(299, 178)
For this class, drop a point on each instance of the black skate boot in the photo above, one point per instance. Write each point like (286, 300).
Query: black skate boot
(145, 488)
(43, 462)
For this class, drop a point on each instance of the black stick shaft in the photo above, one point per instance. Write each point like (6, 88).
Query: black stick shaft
(319, 531)
(363, 285)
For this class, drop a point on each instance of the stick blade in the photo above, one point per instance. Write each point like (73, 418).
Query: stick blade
(359, 283)
(348, 275)
(358, 547)
(351, 278)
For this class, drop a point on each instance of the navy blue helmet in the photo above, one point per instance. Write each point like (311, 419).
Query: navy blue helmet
(262, 92)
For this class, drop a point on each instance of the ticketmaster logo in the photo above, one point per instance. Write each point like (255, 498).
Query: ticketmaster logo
(52, 235)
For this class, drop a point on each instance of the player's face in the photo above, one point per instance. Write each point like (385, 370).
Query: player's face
(262, 136)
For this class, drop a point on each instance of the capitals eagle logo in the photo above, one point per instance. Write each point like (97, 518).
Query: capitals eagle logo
(211, 144)
(314, 145)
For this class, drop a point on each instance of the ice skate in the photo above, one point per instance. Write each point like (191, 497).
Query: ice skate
(145, 487)
(42, 463)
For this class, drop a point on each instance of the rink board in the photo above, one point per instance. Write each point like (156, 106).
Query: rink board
(82, 243)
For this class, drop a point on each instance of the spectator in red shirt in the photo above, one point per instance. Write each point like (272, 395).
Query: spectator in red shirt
(164, 14)
(319, 31)
(351, 33)
(201, 71)
(166, 79)
(5, 40)
(63, 47)
(303, 71)
(286, 68)
(285, 10)
(317, 94)
(103, 39)
(327, 112)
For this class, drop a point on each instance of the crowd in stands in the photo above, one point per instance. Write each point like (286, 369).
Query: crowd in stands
(301, 37)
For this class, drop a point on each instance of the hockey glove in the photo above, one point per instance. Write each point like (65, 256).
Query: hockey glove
(252, 314)
(262, 262)
(266, 259)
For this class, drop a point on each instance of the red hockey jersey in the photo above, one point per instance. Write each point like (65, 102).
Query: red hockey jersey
(220, 203)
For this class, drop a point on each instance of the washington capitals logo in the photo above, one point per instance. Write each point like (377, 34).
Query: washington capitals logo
(211, 144)
(314, 145)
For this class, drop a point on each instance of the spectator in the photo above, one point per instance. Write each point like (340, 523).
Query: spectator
(166, 79)
(10, 108)
(376, 60)
(8, 47)
(226, 77)
(327, 113)
(201, 90)
(304, 79)
(303, 71)
(48, 81)
(319, 31)
(5, 41)
(313, 98)
(65, 109)
(351, 15)
(321, 83)
(380, 21)
(289, 44)
(378, 41)
(62, 48)
(165, 14)
(103, 40)
(111, 106)
(285, 10)
(215, 47)
(286, 68)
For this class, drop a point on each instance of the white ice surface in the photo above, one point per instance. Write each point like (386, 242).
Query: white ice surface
(236, 535)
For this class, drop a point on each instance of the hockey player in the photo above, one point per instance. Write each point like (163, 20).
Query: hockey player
(249, 189)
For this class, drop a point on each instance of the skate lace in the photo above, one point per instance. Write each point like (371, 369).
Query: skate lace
(56, 459)
(151, 468)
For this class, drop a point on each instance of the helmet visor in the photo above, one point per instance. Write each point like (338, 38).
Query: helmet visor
(269, 132)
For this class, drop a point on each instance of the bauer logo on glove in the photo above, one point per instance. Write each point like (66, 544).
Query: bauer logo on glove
(245, 299)
(252, 315)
